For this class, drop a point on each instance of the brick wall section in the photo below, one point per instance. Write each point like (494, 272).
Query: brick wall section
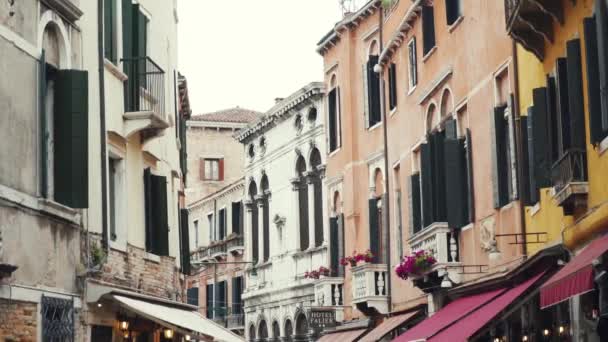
(135, 270)
(17, 321)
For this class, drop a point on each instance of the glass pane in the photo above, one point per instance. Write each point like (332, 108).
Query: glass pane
(215, 174)
(207, 169)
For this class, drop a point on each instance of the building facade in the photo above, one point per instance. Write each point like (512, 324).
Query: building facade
(286, 235)
(216, 215)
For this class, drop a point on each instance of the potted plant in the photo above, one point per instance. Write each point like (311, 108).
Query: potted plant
(356, 258)
(316, 274)
(415, 265)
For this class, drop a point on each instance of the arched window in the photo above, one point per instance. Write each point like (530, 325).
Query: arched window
(252, 333)
(301, 326)
(446, 103)
(265, 217)
(303, 202)
(288, 329)
(376, 233)
(276, 331)
(372, 87)
(253, 191)
(334, 121)
(317, 205)
(263, 331)
(336, 236)
(432, 118)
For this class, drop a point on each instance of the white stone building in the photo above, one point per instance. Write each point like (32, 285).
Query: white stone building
(286, 234)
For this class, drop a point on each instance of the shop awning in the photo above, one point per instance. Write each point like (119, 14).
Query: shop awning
(343, 336)
(176, 318)
(387, 326)
(576, 277)
(447, 316)
(469, 325)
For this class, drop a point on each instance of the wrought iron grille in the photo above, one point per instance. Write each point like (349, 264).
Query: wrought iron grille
(511, 8)
(57, 319)
(145, 87)
(571, 167)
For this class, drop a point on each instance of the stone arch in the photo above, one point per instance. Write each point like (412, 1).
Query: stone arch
(446, 103)
(378, 182)
(276, 330)
(264, 185)
(432, 117)
(51, 22)
(300, 166)
(251, 332)
(333, 81)
(301, 325)
(252, 189)
(312, 114)
(336, 203)
(262, 330)
(288, 328)
(373, 48)
(314, 159)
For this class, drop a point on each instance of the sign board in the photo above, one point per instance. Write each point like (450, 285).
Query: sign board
(322, 318)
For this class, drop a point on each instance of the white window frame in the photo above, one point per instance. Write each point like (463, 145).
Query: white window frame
(412, 65)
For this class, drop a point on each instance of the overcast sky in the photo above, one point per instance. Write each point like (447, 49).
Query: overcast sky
(248, 52)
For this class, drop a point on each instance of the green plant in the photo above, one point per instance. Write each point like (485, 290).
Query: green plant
(387, 3)
(98, 255)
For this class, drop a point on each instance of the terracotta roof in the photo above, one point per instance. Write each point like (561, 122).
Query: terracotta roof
(232, 115)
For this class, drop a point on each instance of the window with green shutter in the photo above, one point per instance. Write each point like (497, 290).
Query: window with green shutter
(392, 82)
(109, 30)
(185, 241)
(373, 92)
(594, 103)
(501, 163)
(428, 29)
(70, 134)
(374, 229)
(456, 183)
(156, 223)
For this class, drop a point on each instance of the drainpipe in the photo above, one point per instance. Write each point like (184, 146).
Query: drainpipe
(520, 149)
(102, 129)
(386, 205)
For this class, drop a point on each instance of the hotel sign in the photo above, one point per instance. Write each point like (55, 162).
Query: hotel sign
(322, 318)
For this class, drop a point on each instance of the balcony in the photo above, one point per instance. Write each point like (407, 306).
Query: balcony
(144, 96)
(235, 245)
(201, 255)
(232, 318)
(569, 177)
(369, 286)
(530, 22)
(329, 292)
(438, 240)
(236, 320)
(218, 250)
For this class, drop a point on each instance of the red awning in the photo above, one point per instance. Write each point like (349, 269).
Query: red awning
(469, 325)
(576, 277)
(447, 316)
(346, 336)
(387, 326)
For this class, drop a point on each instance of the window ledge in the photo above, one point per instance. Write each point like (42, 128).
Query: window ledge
(114, 70)
(334, 152)
(467, 227)
(412, 89)
(534, 209)
(152, 257)
(312, 250)
(429, 54)
(59, 210)
(455, 24)
(375, 126)
(603, 147)
(393, 111)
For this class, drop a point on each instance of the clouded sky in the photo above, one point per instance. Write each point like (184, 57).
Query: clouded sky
(248, 52)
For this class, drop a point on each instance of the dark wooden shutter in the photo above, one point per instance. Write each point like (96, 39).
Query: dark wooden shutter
(160, 234)
(426, 174)
(334, 259)
(318, 211)
(575, 94)
(470, 179)
(331, 103)
(128, 52)
(43, 145)
(539, 122)
(553, 130)
(413, 64)
(220, 299)
(127, 28)
(221, 169)
(148, 208)
(452, 8)
(236, 217)
(101, 333)
(209, 300)
(392, 80)
(303, 207)
(237, 290)
(524, 162)
(415, 205)
(185, 244)
(601, 18)
(266, 231)
(500, 185)
(428, 28)
(594, 102)
(71, 127)
(192, 296)
(439, 195)
(222, 224)
(456, 183)
(341, 242)
(139, 52)
(374, 241)
(451, 132)
(563, 105)
(373, 85)
(108, 32)
(533, 193)
(201, 168)
(338, 118)
(255, 235)
(183, 148)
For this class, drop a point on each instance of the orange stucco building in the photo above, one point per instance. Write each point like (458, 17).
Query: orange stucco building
(448, 71)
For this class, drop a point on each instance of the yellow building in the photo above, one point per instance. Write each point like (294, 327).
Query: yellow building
(562, 62)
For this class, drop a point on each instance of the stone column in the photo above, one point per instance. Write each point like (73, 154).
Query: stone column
(295, 186)
(325, 214)
(260, 203)
(310, 176)
(247, 230)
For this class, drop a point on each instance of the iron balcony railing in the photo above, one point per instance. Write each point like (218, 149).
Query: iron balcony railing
(570, 168)
(229, 317)
(220, 248)
(511, 9)
(145, 86)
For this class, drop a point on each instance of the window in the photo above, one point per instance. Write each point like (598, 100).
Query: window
(211, 225)
(265, 206)
(192, 296)
(372, 86)
(596, 41)
(220, 306)
(253, 191)
(453, 11)
(237, 291)
(112, 177)
(109, 30)
(156, 219)
(334, 126)
(222, 224)
(57, 317)
(196, 241)
(413, 64)
(101, 333)
(428, 29)
(392, 81)
(398, 212)
(302, 187)
(209, 303)
(237, 218)
(212, 169)
(317, 205)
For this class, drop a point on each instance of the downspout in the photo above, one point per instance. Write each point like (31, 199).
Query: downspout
(102, 129)
(386, 205)
(520, 149)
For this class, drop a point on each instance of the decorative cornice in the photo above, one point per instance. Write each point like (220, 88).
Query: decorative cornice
(447, 72)
(399, 36)
(66, 8)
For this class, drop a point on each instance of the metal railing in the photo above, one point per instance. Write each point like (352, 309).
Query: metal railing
(200, 254)
(220, 248)
(570, 168)
(229, 317)
(511, 8)
(235, 242)
(145, 86)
